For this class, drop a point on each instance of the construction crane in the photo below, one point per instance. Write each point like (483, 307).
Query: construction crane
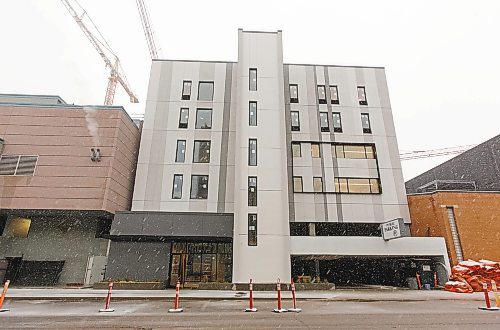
(434, 153)
(148, 29)
(100, 44)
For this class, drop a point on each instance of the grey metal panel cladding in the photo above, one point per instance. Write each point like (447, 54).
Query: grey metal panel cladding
(480, 164)
(145, 261)
(173, 224)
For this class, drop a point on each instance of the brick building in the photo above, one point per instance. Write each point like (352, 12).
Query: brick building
(460, 201)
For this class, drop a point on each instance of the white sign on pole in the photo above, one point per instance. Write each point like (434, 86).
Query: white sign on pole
(391, 229)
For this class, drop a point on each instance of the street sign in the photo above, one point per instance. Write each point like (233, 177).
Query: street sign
(392, 229)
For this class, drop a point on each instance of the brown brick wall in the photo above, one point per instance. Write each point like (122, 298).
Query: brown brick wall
(65, 176)
(477, 216)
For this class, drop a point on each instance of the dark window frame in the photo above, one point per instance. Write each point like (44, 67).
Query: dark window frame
(177, 152)
(365, 101)
(367, 130)
(327, 127)
(337, 129)
(294, 99)
(301, 184)
(250, 84)
(252, 229)
(186, 96)
(250, 123)
(252, 196)
(181, 123)
(196, 126)
(181, 176)
(332, 100)
(250, 163)
(209, 151)
(213, 90)
(191, 190)
(294, 128)
(318, 87)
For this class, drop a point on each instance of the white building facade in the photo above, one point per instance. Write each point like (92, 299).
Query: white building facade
(265, 170)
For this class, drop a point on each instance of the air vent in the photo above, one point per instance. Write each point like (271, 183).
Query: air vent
(18, 165)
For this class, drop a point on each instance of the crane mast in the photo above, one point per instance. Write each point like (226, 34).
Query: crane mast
(101, 46)
(148, 29)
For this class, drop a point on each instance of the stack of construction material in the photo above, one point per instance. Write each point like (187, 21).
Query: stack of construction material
(469, 276)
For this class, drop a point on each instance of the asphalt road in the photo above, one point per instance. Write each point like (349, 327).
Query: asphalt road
(316, 314)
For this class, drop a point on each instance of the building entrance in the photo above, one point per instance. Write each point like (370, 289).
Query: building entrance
(194, 263)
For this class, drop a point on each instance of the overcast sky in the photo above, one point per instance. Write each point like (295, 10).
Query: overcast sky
(442, 58)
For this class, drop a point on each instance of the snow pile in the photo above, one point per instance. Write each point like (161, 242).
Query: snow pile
(468, 276)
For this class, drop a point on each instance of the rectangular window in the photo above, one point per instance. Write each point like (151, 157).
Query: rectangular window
(334, 95)
(203, 118)
(297, 184)
(323, 120)
(318, 184)
(199, 186)
(252, 229)
(177, 187)
(206, 91)
(365, 123)
(338, 150)
(321, 94)
(362, 95)
(294, 117)
(201, 152)
(375, 186)
(252, 152)
(296, 150)
(341, 185)
(358, 186)
(354, 152)
(337, 122)
(252, 113)
(186, 89)
(294, 93)
(180, 155)
(252, 191)
(315, 150)
(184, 118)
(252, 76)
(18, 165)
(370, 152)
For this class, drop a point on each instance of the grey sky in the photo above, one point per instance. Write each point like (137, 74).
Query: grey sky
(441, 57)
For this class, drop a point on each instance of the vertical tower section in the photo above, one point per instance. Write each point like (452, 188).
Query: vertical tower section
(261, 230)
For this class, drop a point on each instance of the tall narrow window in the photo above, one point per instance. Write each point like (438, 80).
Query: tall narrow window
(177, 187)
(337, 122)
(252, 113)
(294, 93)
(315, 150)
(362, 95)
(252, 191)
(334, 95)
(199, 186)
(180, 155)
(365, 123)
(341, 185)
(201, 152)
(186, 89)
(370, 152)
(339, 150)
(206, 91)
(296, 150)
(375, 186)
(323, 121)
(252, 152)
(294, 117)
(297, 184)
(321, 94)
(252, 79)
(252, 229)
(184, 118)
(203, 118)
(318, 184)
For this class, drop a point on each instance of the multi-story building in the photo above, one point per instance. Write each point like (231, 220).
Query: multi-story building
(460, 201)
(264, 170)
(64, 171)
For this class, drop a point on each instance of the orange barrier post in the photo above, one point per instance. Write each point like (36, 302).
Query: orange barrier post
(108, 300)
(279, 309)
(176, 308)
(435, 280)
(2, 297)
(487, 300)
(250, 289)
(294, 309)
(418, 282)
(495, 293)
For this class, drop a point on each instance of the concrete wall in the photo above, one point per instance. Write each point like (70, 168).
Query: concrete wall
(329, 206)
(476, 216)
(51, 239)
(145, 261)
(270, 259)
(65, 177)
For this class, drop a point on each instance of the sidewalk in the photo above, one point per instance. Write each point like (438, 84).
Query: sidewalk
(335, 295)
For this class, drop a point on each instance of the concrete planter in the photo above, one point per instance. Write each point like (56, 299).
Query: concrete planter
(131, 285)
